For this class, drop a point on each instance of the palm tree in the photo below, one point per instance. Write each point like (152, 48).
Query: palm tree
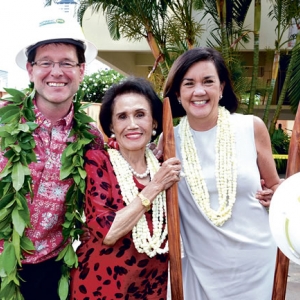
(257, 19)
(159, 22)
(293, 91)
(227, 19)
(290, 85)
(283, 11)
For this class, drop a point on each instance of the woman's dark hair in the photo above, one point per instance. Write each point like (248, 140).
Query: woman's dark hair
(79, 51)
(135, 85)
(182, 65)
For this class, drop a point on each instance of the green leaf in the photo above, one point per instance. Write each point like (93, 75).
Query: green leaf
(26, 244)
(18, 222)
(9, 116)
(31, 156)
(63, 287)
(82, 173)
(16, 244)
(18, 176)
(8, 141)
(70, 150)
(23, 127)
(28, 114)
(70, 257)
(62, 253)
(10, 108)
(6, 200)
(88, 135)
(8, 257)
(32, 125)
(65, 171)
(18, 95)
(8, 291)
(6, 171)
(84, 118)
(24, 213)
(4, 132)
(76, 178)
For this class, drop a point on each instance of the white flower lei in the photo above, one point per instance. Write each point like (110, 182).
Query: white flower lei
(226, 174)
(143, 241)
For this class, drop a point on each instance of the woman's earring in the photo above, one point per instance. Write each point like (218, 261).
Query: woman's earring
(221, 97)
(153, 132)
(179, 100)
(112, 136)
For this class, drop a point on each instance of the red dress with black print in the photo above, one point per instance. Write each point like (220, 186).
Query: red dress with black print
(117, 272)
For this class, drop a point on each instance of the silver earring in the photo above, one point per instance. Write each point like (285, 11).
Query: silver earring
(153, 132)
(221, 97)
(112, 136)
(179, 101)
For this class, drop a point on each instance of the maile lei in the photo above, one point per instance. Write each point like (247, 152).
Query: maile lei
(16, 140)
(143, 241)
(225, 168)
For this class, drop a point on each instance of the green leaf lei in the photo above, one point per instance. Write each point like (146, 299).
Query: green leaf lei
(16, 140)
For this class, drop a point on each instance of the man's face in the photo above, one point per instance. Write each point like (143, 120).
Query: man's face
(56, 85)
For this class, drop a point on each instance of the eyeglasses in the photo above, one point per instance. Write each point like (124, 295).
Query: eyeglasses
(65, 64)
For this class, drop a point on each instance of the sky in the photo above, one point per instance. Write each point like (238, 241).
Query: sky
(16, 17)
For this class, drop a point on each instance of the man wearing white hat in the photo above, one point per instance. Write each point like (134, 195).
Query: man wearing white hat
(55, 61)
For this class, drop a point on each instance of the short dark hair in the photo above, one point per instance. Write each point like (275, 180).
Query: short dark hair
(135, 85)
(79, 51)
(182, 65)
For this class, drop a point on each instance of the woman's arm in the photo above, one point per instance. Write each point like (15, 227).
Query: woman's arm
(265, 159)
(127, 217)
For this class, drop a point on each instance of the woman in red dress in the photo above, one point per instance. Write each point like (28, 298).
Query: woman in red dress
(126, 256)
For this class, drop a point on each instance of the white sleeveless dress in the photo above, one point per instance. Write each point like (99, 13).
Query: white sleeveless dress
(237, 260)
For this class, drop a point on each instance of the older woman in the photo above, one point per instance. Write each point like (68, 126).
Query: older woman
(229, 251)
(127, 254)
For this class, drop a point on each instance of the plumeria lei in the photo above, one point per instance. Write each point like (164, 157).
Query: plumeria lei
(143, 241)
(225, 168)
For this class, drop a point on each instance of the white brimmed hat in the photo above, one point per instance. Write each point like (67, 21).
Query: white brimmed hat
(54, 25)
(285, 217)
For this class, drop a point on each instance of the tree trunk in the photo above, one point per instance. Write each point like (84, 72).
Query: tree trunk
(272, 85)
(257, 18)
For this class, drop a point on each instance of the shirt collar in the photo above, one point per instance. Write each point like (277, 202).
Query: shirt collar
(41, 120)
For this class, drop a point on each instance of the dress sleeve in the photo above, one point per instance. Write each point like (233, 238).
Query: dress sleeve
(103, 197)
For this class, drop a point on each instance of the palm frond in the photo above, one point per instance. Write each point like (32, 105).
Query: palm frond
(294, 86)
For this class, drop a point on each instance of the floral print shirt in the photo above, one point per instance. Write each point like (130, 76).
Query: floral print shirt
(47, 207)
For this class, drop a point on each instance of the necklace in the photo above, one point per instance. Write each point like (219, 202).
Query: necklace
(225, 168)
(143, 241)
(138, 175)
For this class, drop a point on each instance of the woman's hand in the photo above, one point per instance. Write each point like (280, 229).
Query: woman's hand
(85, 236)
(156, 151)
(168, 174)
(265, 196)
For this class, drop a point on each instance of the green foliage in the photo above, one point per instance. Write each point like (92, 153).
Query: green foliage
(94, 86)
(17, 142)
(280, 145)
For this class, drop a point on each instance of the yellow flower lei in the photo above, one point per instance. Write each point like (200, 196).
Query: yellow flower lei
(143, 241)
(226, 174)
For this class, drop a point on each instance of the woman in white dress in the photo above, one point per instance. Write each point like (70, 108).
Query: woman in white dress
(229, 251)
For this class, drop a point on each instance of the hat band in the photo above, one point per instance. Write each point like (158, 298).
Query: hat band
(64, 41)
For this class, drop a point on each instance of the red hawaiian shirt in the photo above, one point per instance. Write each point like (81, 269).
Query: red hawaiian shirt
(47, 208)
